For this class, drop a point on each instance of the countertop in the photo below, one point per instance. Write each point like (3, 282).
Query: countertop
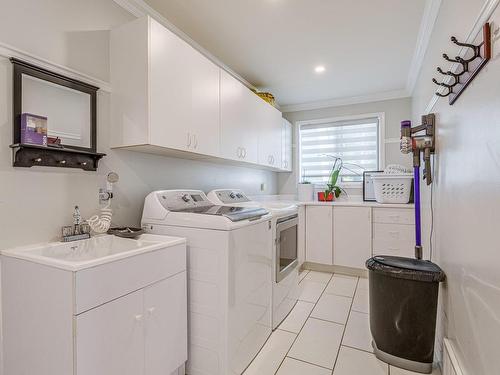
(353, 201)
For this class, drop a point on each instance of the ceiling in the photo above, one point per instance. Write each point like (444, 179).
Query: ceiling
(367, 47)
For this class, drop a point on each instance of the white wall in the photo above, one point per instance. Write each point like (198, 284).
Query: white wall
(466, 194)
(36, 202)
(395, 111)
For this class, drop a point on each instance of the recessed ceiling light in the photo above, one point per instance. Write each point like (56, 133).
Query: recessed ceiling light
(319, 69)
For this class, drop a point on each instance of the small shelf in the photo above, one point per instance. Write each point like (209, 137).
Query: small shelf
(26, 155)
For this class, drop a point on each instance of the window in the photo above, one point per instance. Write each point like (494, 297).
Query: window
(356, 141)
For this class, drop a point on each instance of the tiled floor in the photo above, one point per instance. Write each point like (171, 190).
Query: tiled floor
(327, 333)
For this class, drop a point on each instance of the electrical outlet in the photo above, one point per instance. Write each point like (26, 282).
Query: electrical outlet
(263, 186)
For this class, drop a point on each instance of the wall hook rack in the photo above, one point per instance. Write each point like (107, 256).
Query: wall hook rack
(470, 65)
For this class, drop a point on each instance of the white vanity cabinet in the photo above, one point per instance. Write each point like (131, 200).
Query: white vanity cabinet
(352, 236)
(319, 234)
(286, 146)
(122, 317)
(165, 93)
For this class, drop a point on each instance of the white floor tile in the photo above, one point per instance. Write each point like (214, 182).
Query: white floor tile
(357, 333)
(356, 362)
(399, 371)
(332, 308)
(303, 274)
(318, 343)
(342, 285)
(363, 283)
(310, 291)
(271, 355)
(319, 277)
(361, 301)
(291, 366)
(297, 317)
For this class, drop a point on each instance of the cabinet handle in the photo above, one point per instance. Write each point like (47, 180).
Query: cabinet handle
(151, 310)
(195, 137)
(244, 152)
(238, 152)
(189, 140)
(138, 318)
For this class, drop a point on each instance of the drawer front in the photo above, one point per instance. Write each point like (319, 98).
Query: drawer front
(394, 215)
(393, 239)
(98, 285)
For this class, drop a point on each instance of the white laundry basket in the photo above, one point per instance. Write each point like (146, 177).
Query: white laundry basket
(391, 187)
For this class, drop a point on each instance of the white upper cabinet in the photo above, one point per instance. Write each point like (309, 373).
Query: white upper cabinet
(286, 146)
(239, 120)
(165, 93)
(270, 123)
(168, 98)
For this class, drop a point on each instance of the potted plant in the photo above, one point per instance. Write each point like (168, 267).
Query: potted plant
(332, 190)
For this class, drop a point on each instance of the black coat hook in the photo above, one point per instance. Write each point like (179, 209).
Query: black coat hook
(444, 95)
(476, 49)
(445, 56)
(444, 84)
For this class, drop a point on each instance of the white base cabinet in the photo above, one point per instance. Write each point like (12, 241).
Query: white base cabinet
(348, 235)
(319, 234)
(135, 325)
(352, 236)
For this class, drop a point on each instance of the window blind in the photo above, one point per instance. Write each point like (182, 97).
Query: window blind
(356, 142)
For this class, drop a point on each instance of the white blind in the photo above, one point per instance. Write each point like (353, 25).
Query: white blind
(356, 142)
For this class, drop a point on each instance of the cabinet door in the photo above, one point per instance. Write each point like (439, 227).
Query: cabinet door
(165, 305)
(110, 338)
(205, 110)
(319, 234)
(239, 120)
(269, 135)
(286, 142)
(170, 89)
(352, 230)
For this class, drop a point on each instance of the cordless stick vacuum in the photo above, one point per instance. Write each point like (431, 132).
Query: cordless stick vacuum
(425, 142)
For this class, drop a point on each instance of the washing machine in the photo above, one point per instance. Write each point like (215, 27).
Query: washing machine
(229, 276)
(285, 275)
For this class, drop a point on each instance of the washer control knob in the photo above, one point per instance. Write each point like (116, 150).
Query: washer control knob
(239, 195)
(185, 198)
(232, 195)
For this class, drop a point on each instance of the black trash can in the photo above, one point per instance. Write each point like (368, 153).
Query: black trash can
(403, 307)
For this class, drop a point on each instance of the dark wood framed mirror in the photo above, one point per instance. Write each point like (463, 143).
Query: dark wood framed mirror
(55, 119)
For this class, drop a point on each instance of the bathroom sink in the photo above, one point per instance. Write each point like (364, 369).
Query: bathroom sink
(90, 252)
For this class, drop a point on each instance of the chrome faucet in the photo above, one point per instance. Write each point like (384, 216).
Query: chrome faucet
(77, 231)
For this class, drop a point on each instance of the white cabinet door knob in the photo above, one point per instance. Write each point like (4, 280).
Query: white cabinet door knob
(151, 310)
(138, 318)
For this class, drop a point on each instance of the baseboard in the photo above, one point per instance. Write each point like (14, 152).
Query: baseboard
(335, 269)
(451, 366)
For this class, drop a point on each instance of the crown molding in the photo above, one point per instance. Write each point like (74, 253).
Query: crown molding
(9, 51)
(139, 8)
(427, 23)
(484, 15)
(376, 97)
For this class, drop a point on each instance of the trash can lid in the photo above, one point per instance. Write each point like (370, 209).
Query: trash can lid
(406, 268)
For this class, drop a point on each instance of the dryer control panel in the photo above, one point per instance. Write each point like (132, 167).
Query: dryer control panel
(228, 196)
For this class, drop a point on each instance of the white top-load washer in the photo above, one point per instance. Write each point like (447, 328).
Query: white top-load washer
(229, 276)
(284, 247)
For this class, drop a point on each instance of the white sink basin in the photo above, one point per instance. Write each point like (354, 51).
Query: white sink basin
(97, 250)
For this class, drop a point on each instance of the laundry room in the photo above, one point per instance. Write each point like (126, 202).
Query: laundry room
(232, 187)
